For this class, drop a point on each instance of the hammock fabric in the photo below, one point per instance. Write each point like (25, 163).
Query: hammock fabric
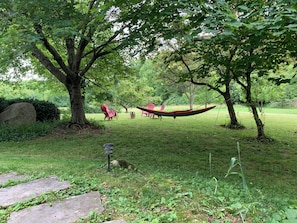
(175, 114)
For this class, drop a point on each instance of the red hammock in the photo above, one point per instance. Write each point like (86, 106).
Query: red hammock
(175, 114)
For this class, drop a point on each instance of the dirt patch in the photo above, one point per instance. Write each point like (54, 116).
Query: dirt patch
(234, 127)
(74, 129)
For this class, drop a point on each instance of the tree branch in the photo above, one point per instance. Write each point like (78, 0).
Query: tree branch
(45, 61)
(208, 85)
(86, 38)
(52, 50)
(70, 52)
(98, 52)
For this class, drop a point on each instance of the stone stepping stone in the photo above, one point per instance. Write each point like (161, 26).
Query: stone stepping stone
(29, 190)
(69, 210)
(4, 178)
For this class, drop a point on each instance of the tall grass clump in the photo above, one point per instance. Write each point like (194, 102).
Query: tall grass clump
(236, 161)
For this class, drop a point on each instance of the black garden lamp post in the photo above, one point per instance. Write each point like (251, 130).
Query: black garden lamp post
(108, 147)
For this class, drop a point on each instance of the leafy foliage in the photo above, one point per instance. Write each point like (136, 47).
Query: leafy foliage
(232, 42)
(45, 111)
(76, 42)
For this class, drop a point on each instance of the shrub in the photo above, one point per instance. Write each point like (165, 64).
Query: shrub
(45, 111)
(3, 104)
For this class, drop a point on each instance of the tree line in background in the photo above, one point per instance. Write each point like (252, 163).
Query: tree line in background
(227, 47)
(150, 83)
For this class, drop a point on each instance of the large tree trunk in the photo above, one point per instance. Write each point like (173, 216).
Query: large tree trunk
(234, 124)
(252, 104)
(260, 125)
(72, 84)
(76, 104)
(232, 115)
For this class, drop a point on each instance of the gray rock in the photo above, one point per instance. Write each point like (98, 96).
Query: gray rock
(18, 113)
(69, 210)
(29, 190)
(4, 178)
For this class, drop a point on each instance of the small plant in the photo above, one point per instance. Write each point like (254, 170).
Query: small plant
(285, 216)
(233, 163)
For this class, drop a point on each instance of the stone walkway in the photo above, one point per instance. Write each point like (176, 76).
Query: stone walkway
(69, 210)
(32, 189)
(4, 178)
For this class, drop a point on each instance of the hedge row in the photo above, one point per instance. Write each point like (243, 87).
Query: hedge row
(45, 111)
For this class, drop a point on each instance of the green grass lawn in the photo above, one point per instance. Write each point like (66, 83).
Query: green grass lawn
(183, 163)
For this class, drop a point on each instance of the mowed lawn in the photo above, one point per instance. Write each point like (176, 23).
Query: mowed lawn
(185, 159)
(185, 143)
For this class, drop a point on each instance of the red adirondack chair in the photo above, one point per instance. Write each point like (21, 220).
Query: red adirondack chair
(161, 109)
(149, 106)
(108, 113)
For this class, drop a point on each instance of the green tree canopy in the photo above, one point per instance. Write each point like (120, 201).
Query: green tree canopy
(68, 38)
(233, 41)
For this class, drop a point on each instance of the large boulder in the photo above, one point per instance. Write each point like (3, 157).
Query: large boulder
(18, 113)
